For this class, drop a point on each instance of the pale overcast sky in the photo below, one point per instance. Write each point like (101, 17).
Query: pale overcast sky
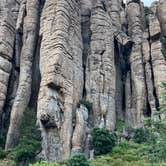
(146, 2)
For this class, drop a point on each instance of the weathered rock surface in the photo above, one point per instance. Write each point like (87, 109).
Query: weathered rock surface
(61, 74)
(30, 24)
(138, 95)
(81, 130)
(100, 51)
(8, 16)
(100, 83)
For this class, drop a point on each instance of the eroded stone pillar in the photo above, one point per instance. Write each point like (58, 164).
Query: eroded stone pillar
(61, 75)
(137, 88)
(101, 74)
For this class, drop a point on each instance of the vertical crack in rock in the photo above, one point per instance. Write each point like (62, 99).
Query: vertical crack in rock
(36, 75)
(117, 14)
(86, 6)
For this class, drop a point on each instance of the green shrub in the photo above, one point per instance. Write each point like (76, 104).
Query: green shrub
(103, 141)
(142, 135)
(30, 140)
(120, 125)
(26, 152)
(78, 160)
(29, 144)
(157, 152)
(44, 163)
(147, 12)
(3, 153)
(2, 140)
(7, 162)
(87, 104)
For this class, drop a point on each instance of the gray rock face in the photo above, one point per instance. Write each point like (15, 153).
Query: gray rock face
(61, 74)
(81, 130)
(97, 51)
(8, 16)
(138, 95)
(100, 83)
(161, 14)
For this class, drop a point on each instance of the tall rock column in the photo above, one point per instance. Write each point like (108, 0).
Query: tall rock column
(149, 76)
(134, 112)
(158, 60)
(61, 75)
(29, 22)
(161, 13)
(101, 75)
(8, 15)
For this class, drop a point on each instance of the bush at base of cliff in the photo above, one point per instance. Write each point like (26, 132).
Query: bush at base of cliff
(143, 135)
(30, 141)
(103, 141)
(44, 163)
(75, 160)
(78, 160)
(29, 144)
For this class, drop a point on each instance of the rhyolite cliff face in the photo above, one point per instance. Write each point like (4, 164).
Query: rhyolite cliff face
(56, 53)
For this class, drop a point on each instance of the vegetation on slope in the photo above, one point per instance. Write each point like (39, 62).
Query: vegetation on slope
(29, 145)
(146, 148)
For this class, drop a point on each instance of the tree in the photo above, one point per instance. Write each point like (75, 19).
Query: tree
(103, 141)
(78, 160)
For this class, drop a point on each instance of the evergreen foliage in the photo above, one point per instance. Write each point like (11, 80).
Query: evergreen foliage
(103, 141)
(44, 163)
(147, 12)
(30, 142)
(78, 160)
(87, 104)
(143, 135)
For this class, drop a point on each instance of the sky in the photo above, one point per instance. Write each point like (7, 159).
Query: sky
(146, 2)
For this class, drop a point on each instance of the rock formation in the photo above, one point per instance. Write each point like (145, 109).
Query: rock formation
(54, 54)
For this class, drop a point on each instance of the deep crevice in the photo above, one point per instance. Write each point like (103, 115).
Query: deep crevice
(36, 76)
(86, 37)
(152, 73)
(119, 96)
(148, 111)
